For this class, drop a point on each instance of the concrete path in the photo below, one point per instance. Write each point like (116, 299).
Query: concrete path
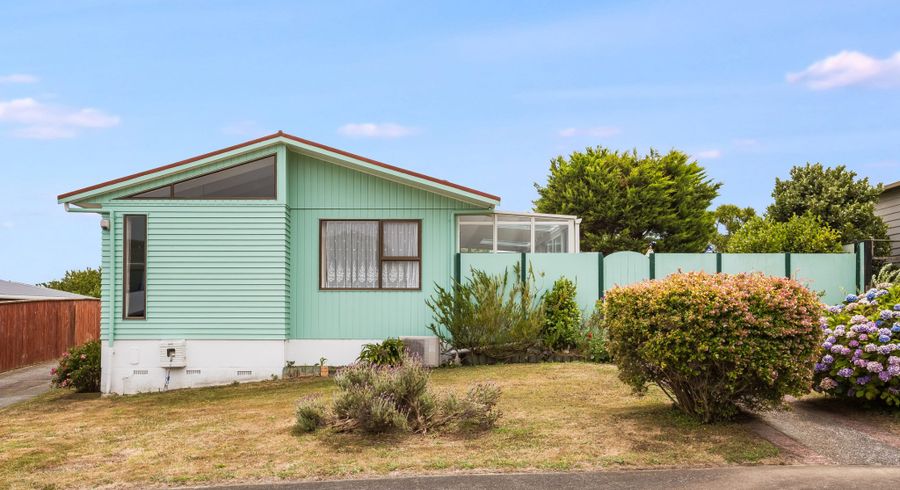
(832, 438)
(21, 384)
(752, 477)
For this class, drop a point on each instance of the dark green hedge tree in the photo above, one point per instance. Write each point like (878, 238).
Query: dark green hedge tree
(628, 200)
(85, 282)
(834, 195)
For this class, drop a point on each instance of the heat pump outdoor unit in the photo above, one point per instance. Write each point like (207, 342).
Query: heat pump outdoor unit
(172, 354)
(428, 349)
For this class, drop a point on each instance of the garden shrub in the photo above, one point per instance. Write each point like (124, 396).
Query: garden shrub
(375, 399)
(387, 353)
(485, 314)
(714, 343)
(860, 355)
(311, 414)
(79, 368)
(562, 317)
(799, 234)
(593, 343)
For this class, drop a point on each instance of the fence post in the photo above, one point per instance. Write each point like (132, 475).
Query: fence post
(868, 254)
(652, 266)
(787, 265)
(523, 273)
(600, 274)
(856, 251)
(718, 262)
(456, 266)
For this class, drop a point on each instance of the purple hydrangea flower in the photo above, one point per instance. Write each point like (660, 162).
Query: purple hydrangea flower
(874, 367)
(871, 348)
(884, 376)
(894, 360)
(863, 336)
(845, 373)
(820, 367)
(837, 348)
(857, 319)
(895, 328)
(884, 338)
(885, 349)
(884, 331)
(850, 298)
(894, 370)
(826, 345)
(846, 351)
(827, 359)
(879, 323)
(860, 363)
(897, 307)
(872, 328)
(870, 296)
(863, 380)
(828, 384)
(831, 340)
(853, 343)
(886, 314)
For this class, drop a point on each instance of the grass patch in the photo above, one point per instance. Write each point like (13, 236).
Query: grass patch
(555, 417)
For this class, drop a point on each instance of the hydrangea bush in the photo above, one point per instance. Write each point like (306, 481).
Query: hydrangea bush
(79, 368)
(860, 355)
(715, 342)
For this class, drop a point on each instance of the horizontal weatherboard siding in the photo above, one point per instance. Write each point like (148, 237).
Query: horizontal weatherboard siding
(214, 271)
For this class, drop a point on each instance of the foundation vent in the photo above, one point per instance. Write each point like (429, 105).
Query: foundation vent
(192, 371)
(140, 372)
(244, 373)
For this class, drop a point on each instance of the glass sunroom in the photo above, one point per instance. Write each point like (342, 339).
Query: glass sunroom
(503, 231)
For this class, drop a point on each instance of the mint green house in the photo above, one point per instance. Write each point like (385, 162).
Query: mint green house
(225, 266)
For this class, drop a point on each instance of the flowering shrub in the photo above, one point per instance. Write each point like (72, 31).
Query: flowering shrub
(376, 399)
(860, 356)
(714, 343)
(79, 368)
(594, 337)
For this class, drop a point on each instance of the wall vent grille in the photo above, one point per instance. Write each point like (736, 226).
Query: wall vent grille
(192, 371)
(244, 373)
(140, 372)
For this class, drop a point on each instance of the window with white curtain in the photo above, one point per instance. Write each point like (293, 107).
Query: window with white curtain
(371, 254)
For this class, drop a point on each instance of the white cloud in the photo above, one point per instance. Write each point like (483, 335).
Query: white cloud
(850, 68)
(746, 143)
(709, 154)
(244, 128)
(35, 119)
(8, 224)
(18, 78)
(594, 132)
(376, 130)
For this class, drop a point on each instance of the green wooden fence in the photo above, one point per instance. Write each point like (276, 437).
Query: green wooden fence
(834, 275)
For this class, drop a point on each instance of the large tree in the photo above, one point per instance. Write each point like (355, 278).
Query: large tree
(729, 219)
(628, 200)
(834, 195)
(85, 282)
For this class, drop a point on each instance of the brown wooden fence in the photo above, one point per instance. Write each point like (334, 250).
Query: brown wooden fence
(38, 331)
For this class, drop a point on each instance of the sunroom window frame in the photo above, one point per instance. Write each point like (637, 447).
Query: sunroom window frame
(573, 223)
(380, 253)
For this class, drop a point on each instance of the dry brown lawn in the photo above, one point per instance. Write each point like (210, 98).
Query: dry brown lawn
(555, 417)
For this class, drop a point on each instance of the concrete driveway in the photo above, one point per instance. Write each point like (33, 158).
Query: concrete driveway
(21, 384)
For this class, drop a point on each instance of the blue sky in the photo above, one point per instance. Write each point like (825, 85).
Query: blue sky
(480, 93)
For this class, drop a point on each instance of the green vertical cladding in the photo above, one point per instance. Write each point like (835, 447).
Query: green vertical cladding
(670, 263)
(319, 190)
(624, 268)
(216, 269)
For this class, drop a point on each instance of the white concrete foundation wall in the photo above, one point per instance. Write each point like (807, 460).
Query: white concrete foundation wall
(307, 352)
(133, 366)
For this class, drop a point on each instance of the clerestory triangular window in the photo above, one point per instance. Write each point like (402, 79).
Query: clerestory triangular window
(252, 180)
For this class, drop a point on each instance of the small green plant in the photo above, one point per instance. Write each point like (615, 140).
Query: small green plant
(593, 344)
(311, 414)
(79, 368)
(387, 353)
(562, 317)
(475, 411)
(322, 361)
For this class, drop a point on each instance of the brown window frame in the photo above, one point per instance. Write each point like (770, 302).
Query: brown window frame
(171, 187)
(381, 257)
(125, 262)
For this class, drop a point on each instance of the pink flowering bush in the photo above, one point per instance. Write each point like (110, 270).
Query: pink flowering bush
(715, 342)
(860, 352)
(79, 368)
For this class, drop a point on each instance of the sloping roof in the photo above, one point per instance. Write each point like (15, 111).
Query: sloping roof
(292, 140)
(888, 187)
(10, 290)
